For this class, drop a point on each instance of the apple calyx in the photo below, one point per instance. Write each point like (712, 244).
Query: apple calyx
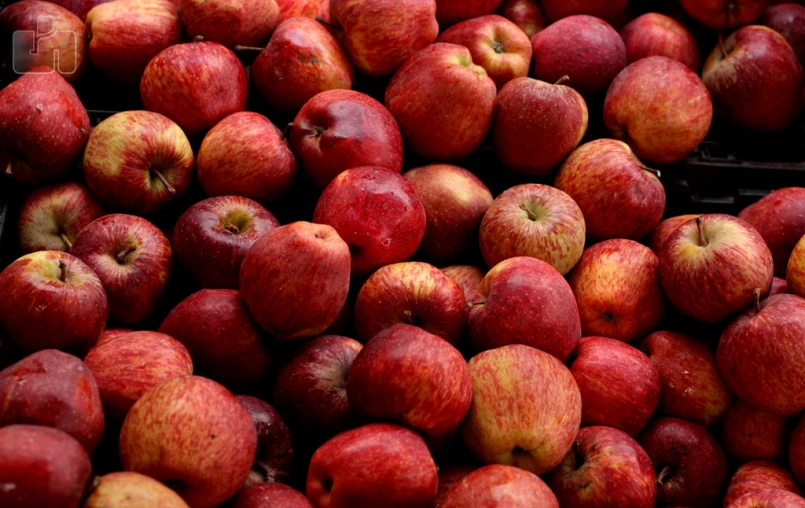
(66, 240)
(498, 47)
(474, 304)
(231, 228)
(62, 272)
(122, 256)
(702, 239)
(664, 474)
(564, 79)
(164, 180)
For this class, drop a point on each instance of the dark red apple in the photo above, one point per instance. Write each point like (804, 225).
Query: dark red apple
(449, 12)
(230, 22)
(275, 449)
(724, 14)
(499, 485)
(82, 7)
(527, 14)
(558, 9)
(758, 476)
(665, 229)
(788, 19)
(750, 434)
(780, 219)
(656, 34)
(275, 495)
(796, 451)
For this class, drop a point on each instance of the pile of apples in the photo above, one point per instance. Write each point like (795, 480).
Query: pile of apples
(351, 360)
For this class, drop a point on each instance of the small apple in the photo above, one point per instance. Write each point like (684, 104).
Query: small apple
(724, 14)
(665, 229)
(275, 449)
(758, 476)
(498, 485)
(230, 22)
(750, 434)
(275, 495)
(469, 279)
(778, 287)
(654, 34)
(788, 19)
(126, 488)
(779, 217)
(558, 9)
(527, 14)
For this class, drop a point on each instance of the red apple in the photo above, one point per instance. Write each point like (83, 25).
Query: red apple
(526, 409)
(558, 9)
(751, 434)
(778, 287)
(795, 271)
(449, 477)
(275, 495)
(124, 36)
(191, 409)
(442, 101)
(796, 451)
(769, 499)
(605, 467)
(449, 12)
(724, 14)
(81, 8)
(230, 22)
(780, 219)
(755, 79)
(213, 236)
(655, 34)
(788, 20)
(469, 280)
(43, 127)
(711, 266)
(537, 125)
(195, 84)
(692, 389)
(51, 300)
(275, 449)
(619, 196)
(52, 217)
(125, 488)
(665, 229)
(377, 212)
(758, 476)
(308, 8)
(132, 259)
(341, 129)
(138, 161)
(527, 14)
(374, 465)
(498, 485)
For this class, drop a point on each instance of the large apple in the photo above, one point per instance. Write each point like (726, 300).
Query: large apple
(270, 494)
(758, 476)
(275, 448)
(665, 229)
(230, 22)
(655, 34)
(750, 434)
(527, 14)
(788, 19)
(469, 280)
(499, 485)
(780, 219)
(724, 14)
(558, 9)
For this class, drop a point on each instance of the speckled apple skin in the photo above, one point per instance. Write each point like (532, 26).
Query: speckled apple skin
(498, 485)
(788, 21)
(377, 464)
(655, 34)
(526, 14)
(53, 389)
(757, 476)
(43, 127)
(275, 448)
(270, 494)
(770, 498)
(81, 7)
(795, 271)
(126, 489)
(469, 280)
(724, 14)
(558, 9)
(449, 12)
(411, 293)
(307, 8)
(780, 219)
(111, 334)
(230, 22)
(750, 434)
(665, 229)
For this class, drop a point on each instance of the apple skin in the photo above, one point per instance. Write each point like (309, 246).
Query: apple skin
(44, 467)
(617, 288)
(377, 212)
(585, 48)
(692, 388)
(230, 22)
(526, 409)
(275, 495)
(627, 199)
(190, 409)
(411, 293)
(759, 84)
(498, 485)
(110, 334)
(758, 476)
(469, 280)
(304, 268)
(558, 9)
(409, 375)
(789, 21)
(245, 155)
(711, 266)
(605, 467)
(796, 451)
(769, 499)
(311, 387)
(665, 229)
(133, 261)
(43, 127)
(526, 302)
(724, 14)
(57, 292)
(379, 35)
(449, 478)
(778, 287)
(527, 14)
(455, 202)
(307, 8)
(537, 125)
(56, 390)
(341, 129)
(275, 448)
(52, 217)
(302, 60)
(619, 386)
(81, 8)
(125, 36)
(780, 219)
(171, 82)
(795, 271)
(128, 366)
(450, 12)
(126, 488)
(750, 434)
(690, 466)
(213, 236)
(442, 101)
(130, 153)
(496, 44)
(379, 464)
(655, 34)
(771, 334)
(635, 102)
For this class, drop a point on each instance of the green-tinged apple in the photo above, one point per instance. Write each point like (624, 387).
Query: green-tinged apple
(558, 9)
(131, 490)
(788, 19)
(750, 434)
(665, 229)
(724, 14)
(230, 22)
(655, 34)
(780, 219)
(275, 447)
(758, 476)
(795, 271)
(527, 14)
(275, 495)
(499, 485)
(469, 280)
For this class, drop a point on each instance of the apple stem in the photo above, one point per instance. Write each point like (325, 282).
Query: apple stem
(247, 48)
(62, 271)
(198, 38)
(532, 216)
(758, 292)
(10, 168)
(164, 181)
(287, 130)
(655, 172)
(702, 239)
(473, 304)
(665, 473)
(721, 43)
(328, 24)
(122, 255)
(66, 240)
(564, 79)
(231, 228)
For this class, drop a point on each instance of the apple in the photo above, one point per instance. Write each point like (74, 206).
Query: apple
(558, 9)
(80, 8)
(311, 387)
(295, 279)
(138, 161)
(469, 280)
(533, 220)
(51, 300)
(758, 476)
(190, 409)
(126, 488)
(690, 466)
(796, 451)
(41, 467)
(124, 36)
(795, 271)
(377, 212)
(308, 8)
(196, 85)
(526, 409)
(665, 229)
(379, 464)
(275, 449)
(46, 34)
(450, 12)
(788, 20)
(619, 196)
(340, 129)
(537, 125)
(692, 388)
(779, 217)
(449, 477)
(270, 494)
(213, 236)
(606, 467)
(711, 266)
(769, 336)
(52, 217)
(750, 434)
(230, 22)
(769, 499)
(527, 14)
(442, 101)
(724, 14)
(584, 48)
(379, 35)
(498, 485)
(755, 79)
(778, 287)
(654, 34)
(128, 366)
(110, 334)
(43, 127)
(223, 340)
(302, 60)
